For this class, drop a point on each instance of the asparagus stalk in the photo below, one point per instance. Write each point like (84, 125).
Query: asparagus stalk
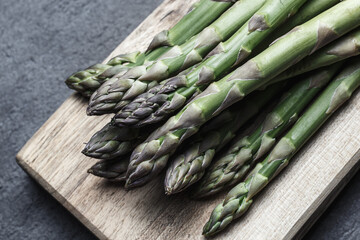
(230, 168)
(114, 169)
(240, 198)
(189, 166)
(343, 48)
(113, 141)
(117, 92)
(150, 157)
(308, 11)
(201, 15)
(160, 101)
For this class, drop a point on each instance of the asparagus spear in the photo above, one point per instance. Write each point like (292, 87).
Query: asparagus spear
(202, 14)
(114, 169)
(243, 153)
(113, 141)
(189, 166)
(150, 157)
(160, 101)
(117, 92)
(239, 199)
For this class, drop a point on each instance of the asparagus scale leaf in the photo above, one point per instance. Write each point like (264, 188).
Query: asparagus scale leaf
(150, 157)
(240, 198)
(235, 163)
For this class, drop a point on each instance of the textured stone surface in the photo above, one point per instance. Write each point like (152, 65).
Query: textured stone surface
(41, 43)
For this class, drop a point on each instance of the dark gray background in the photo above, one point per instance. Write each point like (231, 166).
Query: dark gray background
(41, 43)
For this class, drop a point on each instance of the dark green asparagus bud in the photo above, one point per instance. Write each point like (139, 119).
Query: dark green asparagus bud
(114, 170)
(113, 141)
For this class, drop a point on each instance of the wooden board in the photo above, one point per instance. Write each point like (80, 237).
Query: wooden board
(285, 210)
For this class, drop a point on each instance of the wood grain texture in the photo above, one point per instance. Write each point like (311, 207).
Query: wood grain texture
(284, 210)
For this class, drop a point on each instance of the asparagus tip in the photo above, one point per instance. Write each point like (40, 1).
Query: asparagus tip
(89, 111)
(206, 231)
(169, 191)
(130, 185)
(85, 152)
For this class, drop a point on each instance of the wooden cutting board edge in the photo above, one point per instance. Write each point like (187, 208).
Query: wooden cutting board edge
(54, 193)
(325, 200)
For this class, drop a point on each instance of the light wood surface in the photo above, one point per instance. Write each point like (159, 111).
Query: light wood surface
(285, 210)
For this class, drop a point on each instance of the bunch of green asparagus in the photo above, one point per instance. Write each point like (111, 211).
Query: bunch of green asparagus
(273, 69)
